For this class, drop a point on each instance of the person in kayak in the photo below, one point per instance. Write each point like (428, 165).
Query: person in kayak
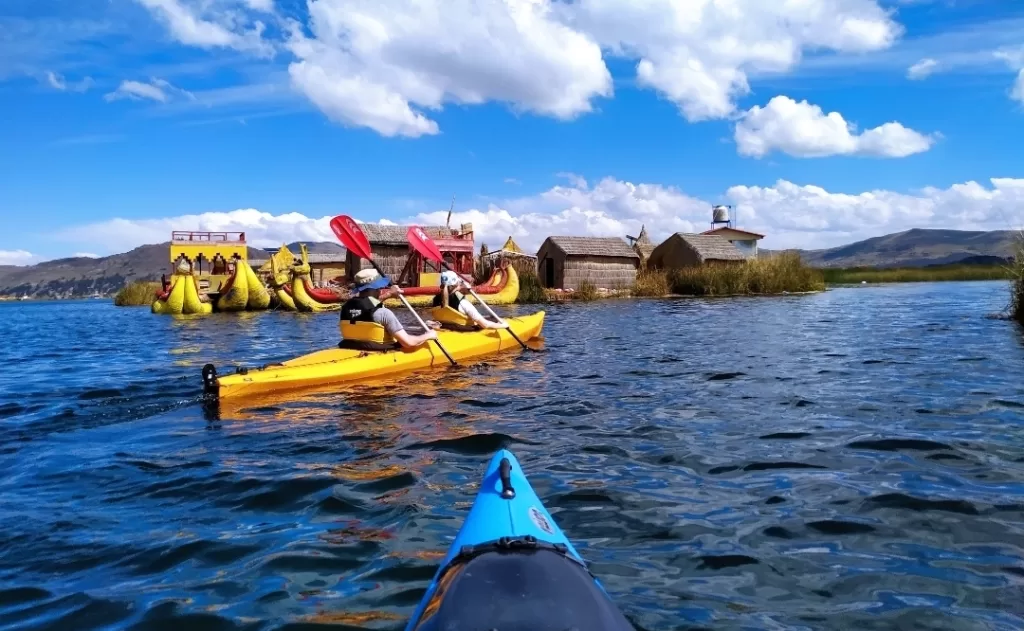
(453, 311)
(367, 325)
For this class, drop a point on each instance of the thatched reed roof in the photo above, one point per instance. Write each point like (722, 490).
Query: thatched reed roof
(711, 247)
(511, 246)
(641, 243)
(607, 247)
(380, 234)
(509, 250)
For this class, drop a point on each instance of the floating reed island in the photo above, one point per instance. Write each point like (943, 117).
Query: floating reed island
(220, 272)
(930, 273)
(777, 275)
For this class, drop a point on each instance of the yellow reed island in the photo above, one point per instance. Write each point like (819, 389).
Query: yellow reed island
(291, 281)
(211, 273)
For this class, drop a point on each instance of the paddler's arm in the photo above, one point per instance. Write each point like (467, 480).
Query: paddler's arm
(394, 327)
(473, 314)
(412, 341)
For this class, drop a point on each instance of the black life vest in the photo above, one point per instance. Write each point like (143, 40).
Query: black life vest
(450, 317)
(358, 330)
(454, 298)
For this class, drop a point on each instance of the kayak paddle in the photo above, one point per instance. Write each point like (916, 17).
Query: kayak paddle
(428, 249)
(352, 237)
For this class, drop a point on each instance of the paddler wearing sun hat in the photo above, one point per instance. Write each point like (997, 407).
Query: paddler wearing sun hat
(454, 311)
(366, 324)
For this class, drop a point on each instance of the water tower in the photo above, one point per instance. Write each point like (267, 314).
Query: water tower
(720, 216)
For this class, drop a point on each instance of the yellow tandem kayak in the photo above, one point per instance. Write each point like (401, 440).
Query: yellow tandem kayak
(337, 365)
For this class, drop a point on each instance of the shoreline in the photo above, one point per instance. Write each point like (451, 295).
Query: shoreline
(568, 297)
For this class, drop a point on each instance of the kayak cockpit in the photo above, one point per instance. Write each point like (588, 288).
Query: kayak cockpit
(518, 585)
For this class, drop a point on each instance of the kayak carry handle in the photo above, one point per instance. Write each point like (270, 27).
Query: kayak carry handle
(505, 473)
(209, 380)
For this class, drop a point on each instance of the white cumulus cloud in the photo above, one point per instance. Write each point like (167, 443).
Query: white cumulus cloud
(16, 257)
(86, 255)
(262, 229)
(390, 66)
(1014, 58)
(58, 82)
(698, 54)
(214, 23)
(788, 213)
(808, 216)
(1017, 91)
(803, 130)
(378, 65)
(922, 69)
(158, 90)
(610, 208)
(266, 6)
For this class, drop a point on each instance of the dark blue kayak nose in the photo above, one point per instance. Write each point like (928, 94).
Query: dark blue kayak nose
(538, 589)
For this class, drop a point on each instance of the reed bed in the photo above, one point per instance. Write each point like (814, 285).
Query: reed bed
(651, 283)
(586, 291)
(137, 293)
(1017, 283)
(530, 289)
(934, 273)
(783, 273)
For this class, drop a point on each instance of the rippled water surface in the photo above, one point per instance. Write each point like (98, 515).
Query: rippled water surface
(852, 459)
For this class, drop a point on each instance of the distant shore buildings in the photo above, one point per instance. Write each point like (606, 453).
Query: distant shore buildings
(563, 262)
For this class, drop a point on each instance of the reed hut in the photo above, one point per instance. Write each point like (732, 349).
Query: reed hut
(693, 250)
(509, 254)
(326, 267)
(744, 240)
(604, 262)
(390, 248)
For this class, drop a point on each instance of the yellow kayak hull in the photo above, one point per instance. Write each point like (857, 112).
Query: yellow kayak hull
(336, 365)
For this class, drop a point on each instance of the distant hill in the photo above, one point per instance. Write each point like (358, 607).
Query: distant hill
(918, 248)
(78, 277)
(319, 247)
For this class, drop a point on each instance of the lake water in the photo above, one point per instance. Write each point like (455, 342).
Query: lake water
(851, 459)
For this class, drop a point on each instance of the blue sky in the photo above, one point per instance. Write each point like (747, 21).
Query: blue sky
(124, 119)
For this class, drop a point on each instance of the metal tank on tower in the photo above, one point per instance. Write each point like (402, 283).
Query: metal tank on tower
(720, 217)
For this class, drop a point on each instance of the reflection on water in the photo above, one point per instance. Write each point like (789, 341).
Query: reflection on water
(843, 460)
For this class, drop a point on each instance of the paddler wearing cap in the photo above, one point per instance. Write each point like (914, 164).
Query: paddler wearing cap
(366, 324)
(453, 311)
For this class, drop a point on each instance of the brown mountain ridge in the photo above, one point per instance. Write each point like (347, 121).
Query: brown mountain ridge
(918, 248)
(79, 277)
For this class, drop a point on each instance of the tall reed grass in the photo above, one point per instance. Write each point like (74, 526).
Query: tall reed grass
(1017, 282)
(777, 274)
(530, 289)
(586, 291)
(651, 283)
(137, 293)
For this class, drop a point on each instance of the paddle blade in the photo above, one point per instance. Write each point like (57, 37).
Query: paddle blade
(423, 244)
(351, 236)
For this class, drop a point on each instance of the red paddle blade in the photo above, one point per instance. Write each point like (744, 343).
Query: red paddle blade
(423, 244)
(351, 236)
